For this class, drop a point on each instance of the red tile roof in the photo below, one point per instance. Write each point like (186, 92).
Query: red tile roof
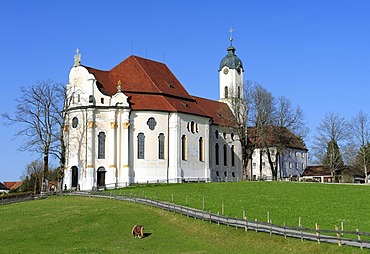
(150, 85)
(275, 135)
(13, 185)
(218, 111)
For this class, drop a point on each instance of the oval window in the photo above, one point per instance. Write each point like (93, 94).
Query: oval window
(74, 122)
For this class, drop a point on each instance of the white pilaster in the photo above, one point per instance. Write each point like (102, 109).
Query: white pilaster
(90, 149)
(207, 173)
(174, 149)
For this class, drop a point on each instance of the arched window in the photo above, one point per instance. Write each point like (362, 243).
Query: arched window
(192, 126)
(101, 145)
(226, 92)
(239, 95)
(140, 145)
(201, 149)
(217, 154)
(183, 147)
(216, 134)
(225, 155)
(161, 146)
(232, 156)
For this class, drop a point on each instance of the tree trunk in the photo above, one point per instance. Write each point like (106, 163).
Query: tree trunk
(46, 170)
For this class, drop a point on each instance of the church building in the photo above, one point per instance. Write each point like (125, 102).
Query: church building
(136, 123)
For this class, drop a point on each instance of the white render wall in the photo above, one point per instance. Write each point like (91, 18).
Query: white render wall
(232, 80)
(292, 162)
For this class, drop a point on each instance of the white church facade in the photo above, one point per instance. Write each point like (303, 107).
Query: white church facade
(136, 123)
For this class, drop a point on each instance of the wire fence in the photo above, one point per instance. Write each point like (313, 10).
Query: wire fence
(358, 239)
(20, 198)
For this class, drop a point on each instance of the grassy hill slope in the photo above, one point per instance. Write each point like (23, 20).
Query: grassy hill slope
(91, 225)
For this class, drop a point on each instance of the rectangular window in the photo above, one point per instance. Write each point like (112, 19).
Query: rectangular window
(161, 146)
(225, 155)
(201, 149)
(101, 145)
(232, 156)
(140, 145)
(183, 147)
(217, 154)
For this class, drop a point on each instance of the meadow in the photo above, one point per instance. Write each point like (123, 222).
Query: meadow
(281, 202)
(69, 224)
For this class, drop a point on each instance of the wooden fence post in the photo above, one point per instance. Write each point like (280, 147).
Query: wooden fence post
(338, 235)
(317, 233)
(359, 238)
(246, 223)
(203, 204)
(222, 209)
(268, 217)
(256, 222)
(342, 226)
(218, 218)
(270, 227)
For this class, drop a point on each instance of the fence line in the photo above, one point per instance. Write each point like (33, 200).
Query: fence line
(258, 226)
(20, 198)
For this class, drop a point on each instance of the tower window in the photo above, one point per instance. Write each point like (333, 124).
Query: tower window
(74, 122)
(226, 92)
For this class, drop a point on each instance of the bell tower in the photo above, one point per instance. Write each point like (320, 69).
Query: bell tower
(231, 75)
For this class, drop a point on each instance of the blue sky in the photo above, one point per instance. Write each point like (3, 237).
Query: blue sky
(316, 53)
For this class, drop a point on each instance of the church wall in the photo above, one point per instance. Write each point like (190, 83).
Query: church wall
(221, 169)
(150, 168)
(195, 165)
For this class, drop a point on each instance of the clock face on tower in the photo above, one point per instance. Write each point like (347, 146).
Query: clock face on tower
(226, 71)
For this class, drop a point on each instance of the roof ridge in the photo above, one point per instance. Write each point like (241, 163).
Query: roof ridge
(141, 67)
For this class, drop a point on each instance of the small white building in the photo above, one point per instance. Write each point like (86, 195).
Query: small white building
(287, 152)
(137, 123)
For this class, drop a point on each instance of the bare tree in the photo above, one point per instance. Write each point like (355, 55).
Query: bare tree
(34, 172)
(267, 113)
(360, 126)
(290, 117)
(38, 111)
(333, 128)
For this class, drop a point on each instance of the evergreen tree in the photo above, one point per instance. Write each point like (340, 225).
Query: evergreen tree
(333, 158)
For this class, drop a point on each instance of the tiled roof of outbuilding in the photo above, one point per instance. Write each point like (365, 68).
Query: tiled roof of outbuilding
(275, 135)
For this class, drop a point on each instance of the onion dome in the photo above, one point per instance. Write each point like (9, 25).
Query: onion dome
(231, 60)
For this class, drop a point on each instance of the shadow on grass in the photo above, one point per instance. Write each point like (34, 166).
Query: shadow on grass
(145, 235)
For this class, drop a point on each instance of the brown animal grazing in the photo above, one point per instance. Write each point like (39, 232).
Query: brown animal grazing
(138, 231)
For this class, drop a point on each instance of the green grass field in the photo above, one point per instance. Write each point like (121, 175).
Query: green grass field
(325, 204)
(65, 224)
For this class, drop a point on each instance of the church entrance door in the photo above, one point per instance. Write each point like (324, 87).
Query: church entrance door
(101, 177)
(74, 177)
